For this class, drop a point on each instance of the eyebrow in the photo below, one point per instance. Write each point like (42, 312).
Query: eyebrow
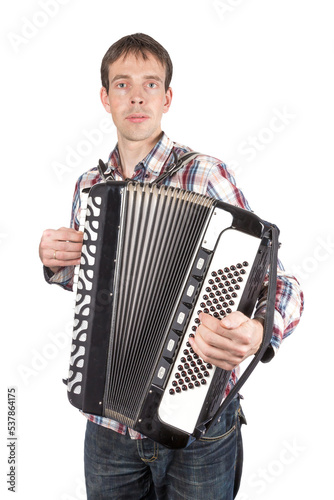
(119, 77)
(153, 77)
(128, 77)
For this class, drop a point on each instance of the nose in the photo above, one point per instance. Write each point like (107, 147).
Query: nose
(136, 95)
(137, 100)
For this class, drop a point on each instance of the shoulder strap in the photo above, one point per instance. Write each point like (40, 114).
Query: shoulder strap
(176, 165)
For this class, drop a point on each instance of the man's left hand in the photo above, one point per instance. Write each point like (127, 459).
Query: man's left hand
(227, 342)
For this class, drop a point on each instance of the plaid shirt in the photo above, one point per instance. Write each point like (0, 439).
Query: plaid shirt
(205, 175)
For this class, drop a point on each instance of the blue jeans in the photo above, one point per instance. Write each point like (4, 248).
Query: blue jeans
(117, 467)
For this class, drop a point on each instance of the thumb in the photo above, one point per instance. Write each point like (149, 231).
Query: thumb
(233, 320)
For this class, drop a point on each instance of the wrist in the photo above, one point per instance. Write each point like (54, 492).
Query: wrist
(259, 330)
(54, 269)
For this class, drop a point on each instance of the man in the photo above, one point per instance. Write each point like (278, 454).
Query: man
(120, 463)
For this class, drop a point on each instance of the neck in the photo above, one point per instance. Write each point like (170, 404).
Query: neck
(132, 152)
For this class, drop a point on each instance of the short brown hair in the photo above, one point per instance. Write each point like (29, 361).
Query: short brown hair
(137, 44)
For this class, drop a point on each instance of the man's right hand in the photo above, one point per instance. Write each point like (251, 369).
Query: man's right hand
(60, 247)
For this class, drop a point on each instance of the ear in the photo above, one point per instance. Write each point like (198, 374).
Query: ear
(168, 99)
(105, 99)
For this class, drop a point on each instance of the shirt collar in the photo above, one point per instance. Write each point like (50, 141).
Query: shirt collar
(153, 162)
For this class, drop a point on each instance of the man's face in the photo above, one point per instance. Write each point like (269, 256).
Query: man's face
(137, 98)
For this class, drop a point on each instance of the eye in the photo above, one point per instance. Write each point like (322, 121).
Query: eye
(121, 85)
(152, 85)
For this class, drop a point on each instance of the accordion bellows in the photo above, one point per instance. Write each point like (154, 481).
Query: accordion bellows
(153, 258)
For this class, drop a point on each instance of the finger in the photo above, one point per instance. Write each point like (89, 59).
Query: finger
(67, 246)
(224, 326)
(211, 323)
(58, 241)
(53, 263)
(68, 234)
(234, 320)
(215, 325)
(60, 256)
(50, 236)
(213, 355)
(63, 263)
(211, 343)
(208, 342)
(218, 344)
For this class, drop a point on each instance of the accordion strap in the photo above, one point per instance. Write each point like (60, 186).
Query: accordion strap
(177, 164)
(267, 330)
(102, 168)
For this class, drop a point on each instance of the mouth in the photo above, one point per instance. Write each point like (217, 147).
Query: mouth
(137, 117)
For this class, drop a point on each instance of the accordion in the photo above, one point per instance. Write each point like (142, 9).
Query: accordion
(152, 259)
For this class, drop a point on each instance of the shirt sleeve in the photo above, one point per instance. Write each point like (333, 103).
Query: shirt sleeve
(64, 276)
(221, 185)
(289, 302)
(289, 305)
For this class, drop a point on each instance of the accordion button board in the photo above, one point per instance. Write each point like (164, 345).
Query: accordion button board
(219, 295)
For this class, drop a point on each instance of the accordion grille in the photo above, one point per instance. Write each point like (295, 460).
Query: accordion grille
(160, 231)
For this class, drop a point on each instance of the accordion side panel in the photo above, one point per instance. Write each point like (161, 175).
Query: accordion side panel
(93, 301)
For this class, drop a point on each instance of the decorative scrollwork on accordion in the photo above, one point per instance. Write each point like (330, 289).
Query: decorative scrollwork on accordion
(84, 282)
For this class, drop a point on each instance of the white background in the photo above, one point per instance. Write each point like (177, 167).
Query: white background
(238, 64)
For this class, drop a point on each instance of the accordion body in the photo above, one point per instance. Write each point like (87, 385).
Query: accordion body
(153, 258)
